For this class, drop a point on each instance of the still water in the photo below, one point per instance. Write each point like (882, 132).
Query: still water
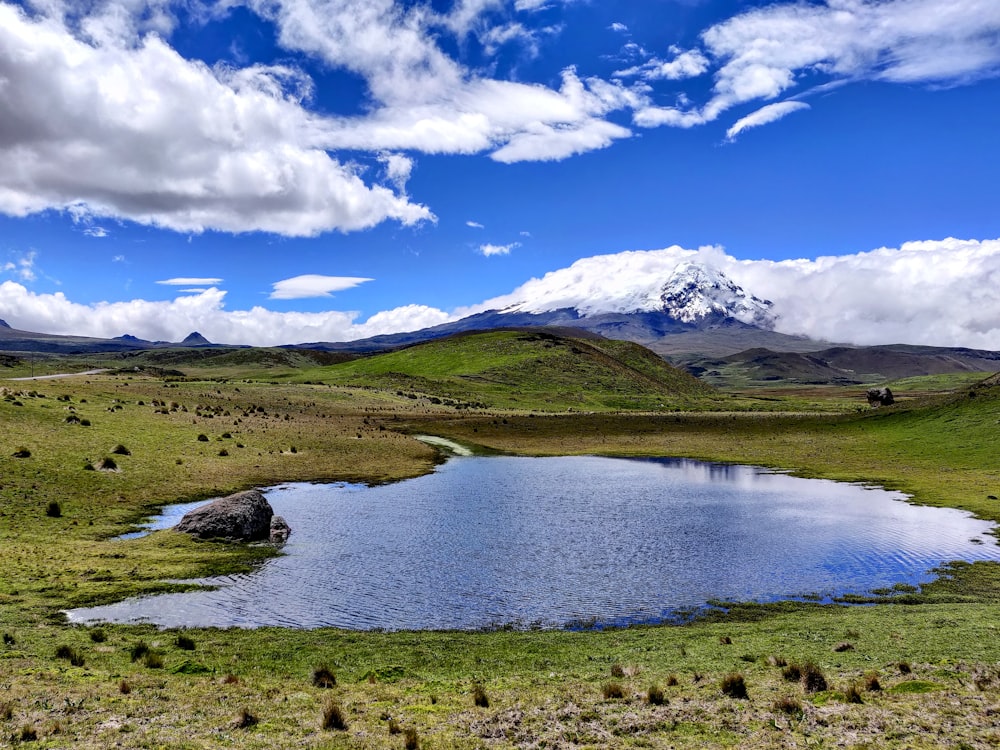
(555, 542)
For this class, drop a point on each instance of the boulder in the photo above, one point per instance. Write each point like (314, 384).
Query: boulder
(245, 516)
(880, 397)
(279, 530)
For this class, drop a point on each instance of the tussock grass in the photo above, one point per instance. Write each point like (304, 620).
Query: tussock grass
(734, 685)
(333, 717)
(612, 690)
(654, 695)
(479, 697)
(323, 677)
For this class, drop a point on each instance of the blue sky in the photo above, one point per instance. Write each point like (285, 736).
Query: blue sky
(277, 171)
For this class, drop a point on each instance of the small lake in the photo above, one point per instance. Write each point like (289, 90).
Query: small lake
(558, 542)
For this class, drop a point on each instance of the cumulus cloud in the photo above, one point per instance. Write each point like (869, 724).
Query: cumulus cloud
(490, 250)
(100, 122)
(313, 285)
(204, 312)
(683, 64)
(766, 114)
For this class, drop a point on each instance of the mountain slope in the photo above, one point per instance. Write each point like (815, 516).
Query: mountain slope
(528, 369)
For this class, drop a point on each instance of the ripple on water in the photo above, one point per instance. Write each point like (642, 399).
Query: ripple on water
(483, 542)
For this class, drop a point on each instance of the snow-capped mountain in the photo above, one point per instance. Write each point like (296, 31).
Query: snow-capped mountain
(692, 293)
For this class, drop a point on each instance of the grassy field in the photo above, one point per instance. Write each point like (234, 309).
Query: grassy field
(933, 655)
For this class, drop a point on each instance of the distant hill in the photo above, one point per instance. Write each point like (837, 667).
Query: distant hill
(840, 365)
(14, 340)
(530, 369)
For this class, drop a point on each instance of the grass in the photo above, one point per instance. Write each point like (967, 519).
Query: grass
(545, 687)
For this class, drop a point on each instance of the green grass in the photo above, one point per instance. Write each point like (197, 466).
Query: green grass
(542, 686)
(525, 370)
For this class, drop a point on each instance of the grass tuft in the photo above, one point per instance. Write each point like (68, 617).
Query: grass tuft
(479, 697)
(185, 643)
(786, 704)
(617, 671)
(853, 694)
(245, 719)
(654, 696)
(612, 690)
(121, 450)
(813, 679)
(734, 686)
(323, 677)
(871, 682)
(6, 711)
(776, 661)
(124, 688)
(791, 673)
(672, 680)
(53, 509)
(28, 733)
(410, 739)
(843, 646)
(333, 717)
(139, 650)
(97, 635)
(8, 639)
(153, 660)
(904, 667)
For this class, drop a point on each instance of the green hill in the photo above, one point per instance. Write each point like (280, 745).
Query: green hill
(525, 369)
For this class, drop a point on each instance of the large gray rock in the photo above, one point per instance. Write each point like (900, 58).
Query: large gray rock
(245, 516)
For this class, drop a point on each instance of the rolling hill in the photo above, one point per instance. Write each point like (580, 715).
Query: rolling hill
(526, 368)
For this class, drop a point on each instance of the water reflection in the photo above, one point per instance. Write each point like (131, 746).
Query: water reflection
(491, 541)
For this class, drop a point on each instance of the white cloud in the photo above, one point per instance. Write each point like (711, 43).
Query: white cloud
(619, 27)
(97, 232)
(118, 259)
(191, 281)
(313, 285)
(173, 320)
(22, 267)
(939, 292)
(474, 225)
(490, 250)
(684, 64)
(101, 122)
(398, 169)
(765, 52)
(764, 116)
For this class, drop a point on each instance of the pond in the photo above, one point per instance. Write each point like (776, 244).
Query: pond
(558, 542)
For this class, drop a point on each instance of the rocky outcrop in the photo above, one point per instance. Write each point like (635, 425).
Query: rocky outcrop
(880, 397)
(245, 516)
(279, 530)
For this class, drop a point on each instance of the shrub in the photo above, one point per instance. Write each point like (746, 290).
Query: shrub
(655, 695)
(53, 509)
(97, 635)
(734, 686)
(612, 690)
(812, 678)
(323, 677)
(479, 696)
(185, 643)
(410, 739)
(333, 717)
(121, 450)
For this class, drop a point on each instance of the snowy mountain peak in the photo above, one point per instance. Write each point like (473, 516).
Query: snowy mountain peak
(695, 292)
(641, 282)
